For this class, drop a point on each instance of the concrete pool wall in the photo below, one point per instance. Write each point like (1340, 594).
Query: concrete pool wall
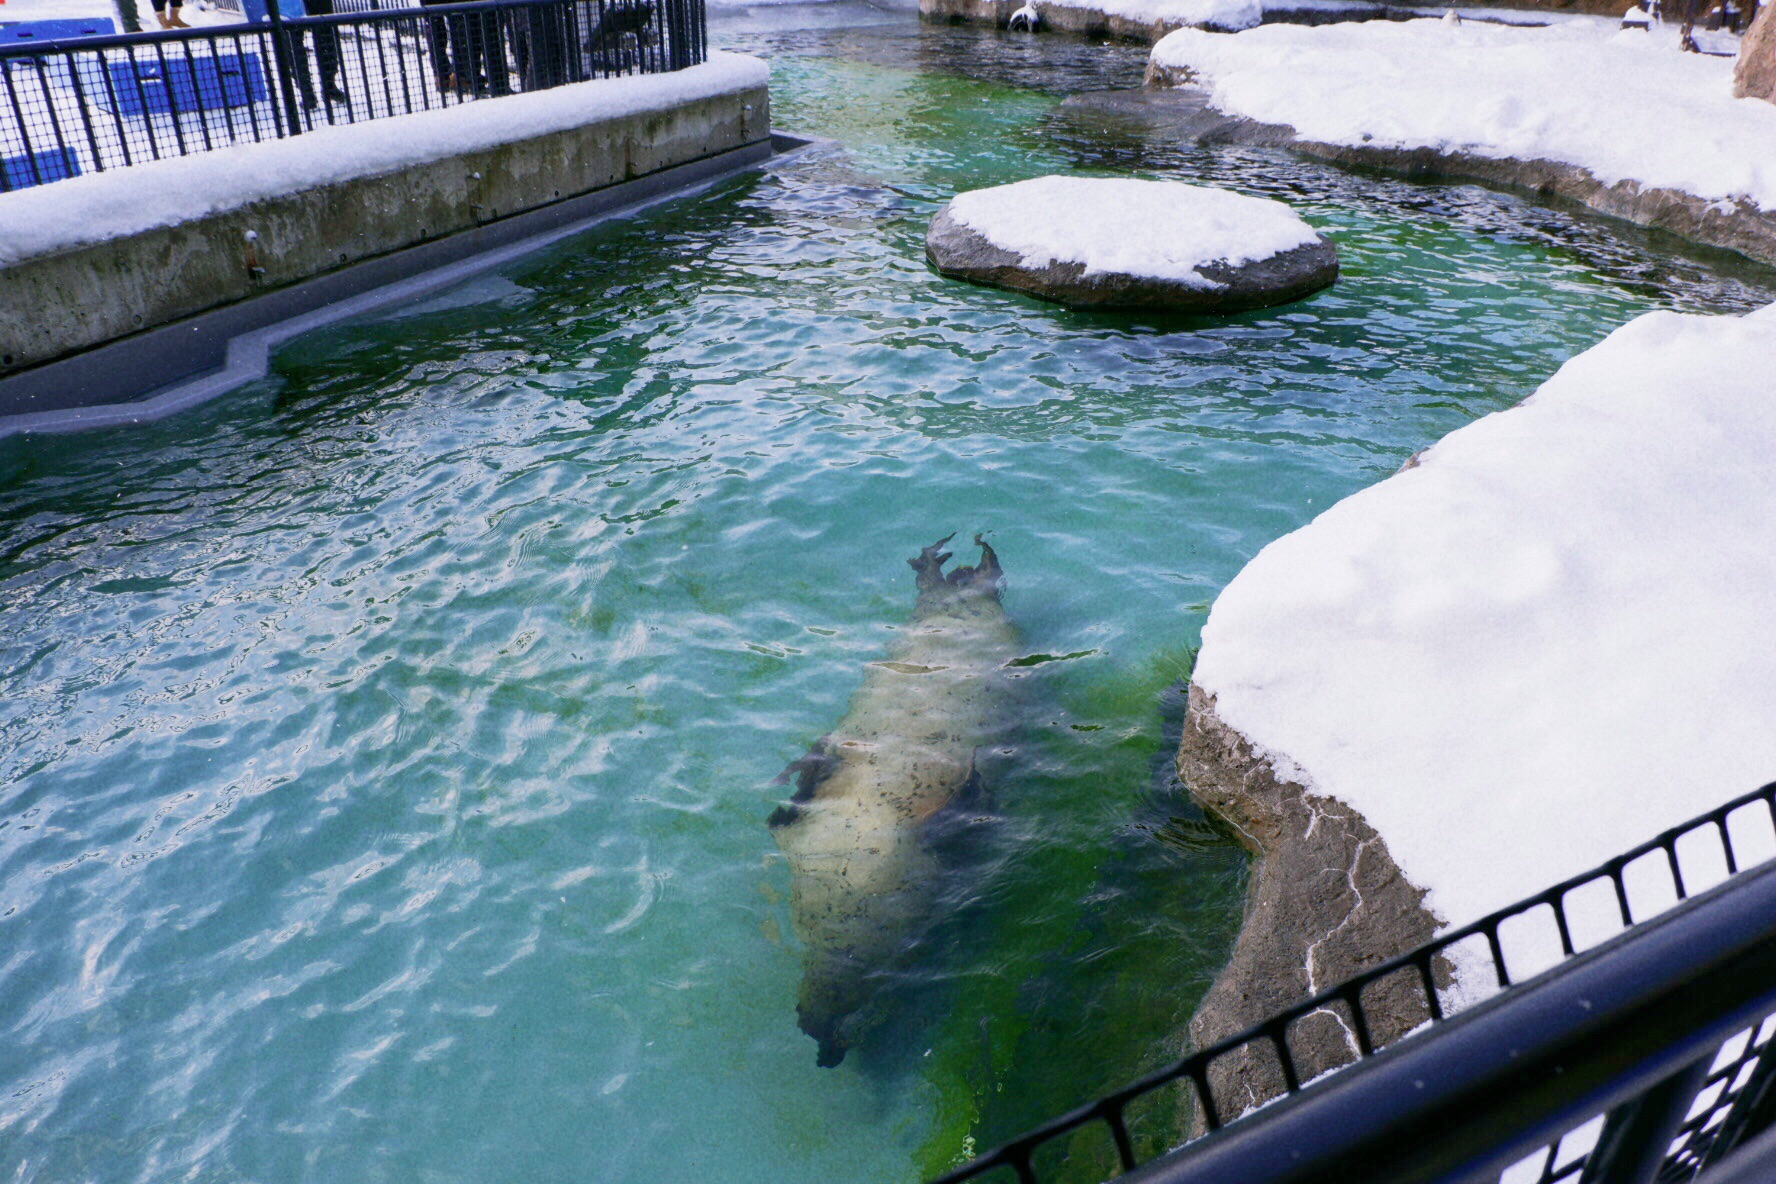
(104, 322)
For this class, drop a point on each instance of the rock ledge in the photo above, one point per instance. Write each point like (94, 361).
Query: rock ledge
(1325, 901)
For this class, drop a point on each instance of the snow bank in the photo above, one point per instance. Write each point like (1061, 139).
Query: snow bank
(1222, 14)
(1550, 640)
(88, 209)
(1157, 229)
(1620, 104)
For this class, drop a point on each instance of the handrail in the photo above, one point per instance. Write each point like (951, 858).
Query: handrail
(1426, 966)
(90, 104)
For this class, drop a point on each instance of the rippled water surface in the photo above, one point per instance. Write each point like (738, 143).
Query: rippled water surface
(384, 752)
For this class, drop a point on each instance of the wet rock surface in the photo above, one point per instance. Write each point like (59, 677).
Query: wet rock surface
(961, 252)
(1325, 901)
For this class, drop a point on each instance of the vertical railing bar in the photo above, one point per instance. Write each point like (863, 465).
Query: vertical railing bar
(135, 67)
(1720, 825)
(1279, 1039)
(1498, 954)
(1558, 904)
(203, 122)
(1616, 878)
(388, 98)
(166, 80)
(1432, 1000)
(1125, 1148)
(240, 67)
(55, 122)
(1360, 1019)
(116, 106)
(18, 111)
(1677, 880)
(1199, 1078)
(280, 52)
(92, 138)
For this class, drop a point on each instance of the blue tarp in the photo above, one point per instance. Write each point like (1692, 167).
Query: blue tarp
(25, 32)
(16, 171)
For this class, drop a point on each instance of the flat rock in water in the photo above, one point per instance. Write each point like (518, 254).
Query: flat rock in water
(1121, 243)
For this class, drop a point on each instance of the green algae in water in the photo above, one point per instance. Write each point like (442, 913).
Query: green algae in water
(385, 752)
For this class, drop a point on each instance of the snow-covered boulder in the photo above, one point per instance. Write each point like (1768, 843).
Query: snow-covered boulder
(1121, 243)
(1540, 108)
(1544, 641)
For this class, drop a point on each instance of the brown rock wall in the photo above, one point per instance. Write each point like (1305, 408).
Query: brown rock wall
(1324, 902)
(1754, 74)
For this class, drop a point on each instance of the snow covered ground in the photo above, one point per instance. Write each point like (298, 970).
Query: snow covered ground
(1233, 15)
(63, 10)
(89, 208)
(1159, 229)
(1550, 640)
(1622, 104)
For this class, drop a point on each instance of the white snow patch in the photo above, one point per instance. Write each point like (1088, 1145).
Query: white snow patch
(1157, 229)
(98, 206)
(1552, 639)
(1222, 14)
(1622, 104)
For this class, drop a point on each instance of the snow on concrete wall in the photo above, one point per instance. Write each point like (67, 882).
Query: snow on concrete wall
(89, 209)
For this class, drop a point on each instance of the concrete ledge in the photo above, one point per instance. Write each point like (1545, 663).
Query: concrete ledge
(63, 302)
(149, 376)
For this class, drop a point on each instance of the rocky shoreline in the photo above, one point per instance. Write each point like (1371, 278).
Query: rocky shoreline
(1096, 22)
(1325, 901)
(1185, 111)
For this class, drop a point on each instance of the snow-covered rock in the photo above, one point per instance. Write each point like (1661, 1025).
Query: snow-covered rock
(1122, 243)
(1546, 641)
(1558, 94)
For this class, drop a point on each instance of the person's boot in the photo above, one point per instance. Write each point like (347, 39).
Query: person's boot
(175, 21)
(162, 18)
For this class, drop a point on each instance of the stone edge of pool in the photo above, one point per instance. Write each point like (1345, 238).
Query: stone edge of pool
(134, 328)
(1734, 225)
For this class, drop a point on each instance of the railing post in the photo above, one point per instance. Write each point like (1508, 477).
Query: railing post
(280, 53)
(1636, 1138)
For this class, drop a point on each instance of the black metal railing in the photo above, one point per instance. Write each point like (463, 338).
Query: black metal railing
(96, 103)
(1559, 1041)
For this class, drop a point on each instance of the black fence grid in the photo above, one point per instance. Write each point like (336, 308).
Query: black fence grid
(91, 104)
(1697, 1116)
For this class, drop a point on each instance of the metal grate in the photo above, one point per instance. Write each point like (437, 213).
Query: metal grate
(1684, 1121)
(97, 103)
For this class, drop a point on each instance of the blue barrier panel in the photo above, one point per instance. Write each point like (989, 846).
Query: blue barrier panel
(25, 32)
(206, 84)
(16, 171)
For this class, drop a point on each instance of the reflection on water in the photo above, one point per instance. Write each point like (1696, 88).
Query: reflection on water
(384, 753)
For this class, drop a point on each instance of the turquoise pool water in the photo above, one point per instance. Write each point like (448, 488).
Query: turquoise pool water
(385, 752)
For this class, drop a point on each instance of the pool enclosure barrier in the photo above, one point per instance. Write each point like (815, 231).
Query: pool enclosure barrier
(1623, 1044)
(90, 104)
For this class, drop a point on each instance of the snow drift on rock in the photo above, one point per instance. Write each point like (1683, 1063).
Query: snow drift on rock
(1550, 640)
(1622, 105)
(1157, 229)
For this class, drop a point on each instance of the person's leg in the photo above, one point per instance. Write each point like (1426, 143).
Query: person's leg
(438, 39)
(174, 19)
(129, 17)
(493, 47)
